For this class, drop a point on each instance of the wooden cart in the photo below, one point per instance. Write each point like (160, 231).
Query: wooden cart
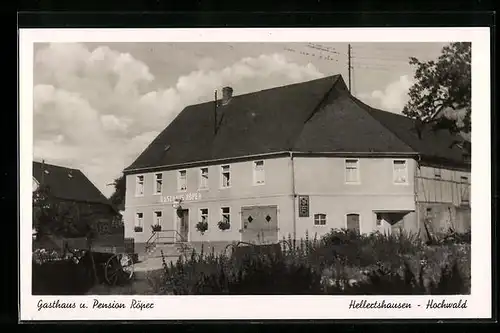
(107, 264)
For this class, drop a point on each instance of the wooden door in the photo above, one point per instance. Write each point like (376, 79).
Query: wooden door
(353, 222)
(183, 226)
(259, 224)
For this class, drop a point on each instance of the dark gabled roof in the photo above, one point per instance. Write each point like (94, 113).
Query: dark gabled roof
(318, 116)
(68, 184)
(342, 126)
(431, 144)
(261, 122)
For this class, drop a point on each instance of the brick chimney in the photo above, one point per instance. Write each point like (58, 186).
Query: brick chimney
(227, 94)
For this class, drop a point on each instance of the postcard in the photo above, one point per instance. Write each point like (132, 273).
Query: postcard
(184, 174)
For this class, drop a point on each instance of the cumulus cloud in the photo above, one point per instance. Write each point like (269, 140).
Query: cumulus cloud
(392, 98)
(95, 109)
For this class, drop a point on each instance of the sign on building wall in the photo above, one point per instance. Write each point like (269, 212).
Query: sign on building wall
(182, 197)
(303, 206)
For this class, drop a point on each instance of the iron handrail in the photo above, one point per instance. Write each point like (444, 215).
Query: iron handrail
(155, 236)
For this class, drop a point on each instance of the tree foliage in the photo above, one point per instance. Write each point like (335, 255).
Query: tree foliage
(118, 196)
(441, 94)
(52, 216)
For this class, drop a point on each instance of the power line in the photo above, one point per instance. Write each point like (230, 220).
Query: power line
(311, 54)
(382, 59)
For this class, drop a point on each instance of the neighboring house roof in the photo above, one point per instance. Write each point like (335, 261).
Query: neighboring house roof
(68, 184)
(318, 116)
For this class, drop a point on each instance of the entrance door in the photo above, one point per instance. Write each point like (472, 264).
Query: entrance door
(353, 222)
(183, 225)
(259, 224)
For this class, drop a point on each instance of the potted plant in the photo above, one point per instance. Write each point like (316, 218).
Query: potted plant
(156, 227)
(202, 227)
(138, 229)
(224, 225)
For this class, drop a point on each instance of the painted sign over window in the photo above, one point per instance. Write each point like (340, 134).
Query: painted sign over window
(303, 206)
(182, 197)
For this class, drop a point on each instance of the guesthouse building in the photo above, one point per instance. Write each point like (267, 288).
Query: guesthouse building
(302, 158)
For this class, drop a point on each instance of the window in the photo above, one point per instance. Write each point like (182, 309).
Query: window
(352, 171)
(139, 186)
(204, 215)
(464, 183)
(158, 182)
(138, 222)
(319, 219)
(379, 219)
(203, 178)
(437, 173)
(158, 218)
(226, 176)
(182, 180)
(352, 222)
(258, 173)
(226, 215)
(399, 172)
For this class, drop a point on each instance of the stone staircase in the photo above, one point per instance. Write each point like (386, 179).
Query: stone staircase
(168, 249)
(151, 259)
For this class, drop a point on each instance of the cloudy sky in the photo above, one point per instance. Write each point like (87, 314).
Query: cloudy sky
(97, 106)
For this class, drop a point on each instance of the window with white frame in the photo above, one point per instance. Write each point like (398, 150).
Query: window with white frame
(226, 214)
(158, 183)
(139, 185)
(139, 222)
(203, 178)
(182, 180)
(400, 172)
(259, 176)
(225, 176)
(204, 215)
(319, 219)
(437, 173)
(158, 217)
(465, 194)
(352, 171)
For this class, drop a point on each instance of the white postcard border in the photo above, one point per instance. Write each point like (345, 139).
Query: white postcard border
(270, 307)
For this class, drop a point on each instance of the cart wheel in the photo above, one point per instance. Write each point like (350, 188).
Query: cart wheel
(118, 268)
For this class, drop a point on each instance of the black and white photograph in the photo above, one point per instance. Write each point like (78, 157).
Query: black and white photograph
(338, 168)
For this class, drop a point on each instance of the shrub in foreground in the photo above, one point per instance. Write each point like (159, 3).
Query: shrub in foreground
(288, 273)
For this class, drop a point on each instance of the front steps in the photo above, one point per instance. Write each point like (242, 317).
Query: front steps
(169, 250)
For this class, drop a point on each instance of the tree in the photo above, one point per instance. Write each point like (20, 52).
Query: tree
(441, 95)
(118, 196)
(52, 216)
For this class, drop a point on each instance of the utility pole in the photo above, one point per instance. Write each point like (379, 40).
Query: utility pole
(349, 64)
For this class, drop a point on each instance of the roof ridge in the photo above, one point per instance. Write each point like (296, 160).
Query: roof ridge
(368, 111)
(56, 166)
(336, 76)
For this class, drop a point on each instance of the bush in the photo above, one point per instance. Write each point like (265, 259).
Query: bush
(60, 277)
(341, 262)
(454, 237)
